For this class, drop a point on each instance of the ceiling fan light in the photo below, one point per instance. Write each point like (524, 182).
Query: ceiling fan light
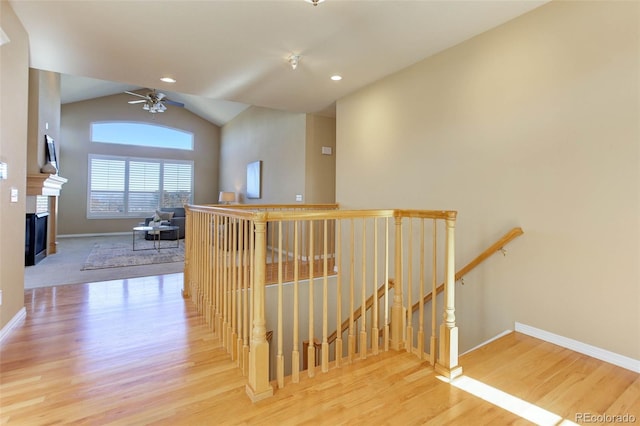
(145, 107)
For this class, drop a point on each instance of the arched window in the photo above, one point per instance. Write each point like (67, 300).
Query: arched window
(141, 134)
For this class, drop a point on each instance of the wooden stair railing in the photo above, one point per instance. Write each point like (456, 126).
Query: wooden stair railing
(493, 248)
(489, 251)
(345, 326)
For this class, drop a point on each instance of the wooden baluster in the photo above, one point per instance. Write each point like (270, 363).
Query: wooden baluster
(325, 303)
(409, 338)
(338, 251)
(259, 387)
(228, 289)
(245, 303)
(238, 341)
(396, 309)
(295, 355)
(196, 260)
(280, 356)
(208, 266)
(287, 248)
(363, 294)
(448, 360)
(233, 334)
(421, 299)
(311, 351)
(225, 289)
(352, 338)
(434, 292)
(385, 334)
(375, 334)
(219, 268)
(213, 265)
(252, 251)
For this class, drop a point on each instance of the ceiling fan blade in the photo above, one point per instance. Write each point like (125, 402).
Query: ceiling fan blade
(137, 102)
(174, 103)
(136, 94)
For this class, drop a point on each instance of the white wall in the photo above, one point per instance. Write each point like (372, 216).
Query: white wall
(532, 124)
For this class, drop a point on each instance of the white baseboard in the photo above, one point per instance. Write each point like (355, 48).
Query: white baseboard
(486, 342)
(21, 315)
(583, 348)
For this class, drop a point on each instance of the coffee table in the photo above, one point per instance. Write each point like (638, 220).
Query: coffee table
(156, 231)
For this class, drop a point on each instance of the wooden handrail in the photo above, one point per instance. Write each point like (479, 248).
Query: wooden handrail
(504, 240)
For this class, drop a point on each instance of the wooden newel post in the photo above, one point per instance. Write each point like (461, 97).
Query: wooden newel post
(259, 387)
(188, 241)
(397, 313)
(448, 360)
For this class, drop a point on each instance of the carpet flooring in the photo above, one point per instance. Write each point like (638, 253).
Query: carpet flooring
(65, 267)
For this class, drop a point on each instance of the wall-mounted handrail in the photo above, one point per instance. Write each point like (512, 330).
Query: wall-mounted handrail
(492, 249)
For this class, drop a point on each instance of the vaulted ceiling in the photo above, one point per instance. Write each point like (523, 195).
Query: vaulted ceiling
(228, 54)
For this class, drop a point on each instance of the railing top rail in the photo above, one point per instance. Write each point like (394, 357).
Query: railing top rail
(427, 214)
(314, 212)
(262, 207)
(326, 214)
(221, 211)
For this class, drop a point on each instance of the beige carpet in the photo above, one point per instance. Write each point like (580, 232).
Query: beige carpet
(121, 254)
(65, 267)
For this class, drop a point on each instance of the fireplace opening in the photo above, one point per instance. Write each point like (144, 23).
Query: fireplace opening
(35, 247)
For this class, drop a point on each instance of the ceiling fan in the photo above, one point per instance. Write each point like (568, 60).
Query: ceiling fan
(154, 102)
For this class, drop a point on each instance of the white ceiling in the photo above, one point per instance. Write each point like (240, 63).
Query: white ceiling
(228, 54)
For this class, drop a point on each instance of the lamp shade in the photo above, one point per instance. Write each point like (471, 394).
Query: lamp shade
(227, 197)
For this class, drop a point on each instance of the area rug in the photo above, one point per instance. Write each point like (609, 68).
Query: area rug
(118, 254)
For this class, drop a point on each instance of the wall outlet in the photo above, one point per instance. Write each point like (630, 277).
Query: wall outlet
(326, 150)
(298, 197)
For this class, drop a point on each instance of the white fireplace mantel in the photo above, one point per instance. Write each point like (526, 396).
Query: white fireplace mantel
(45, 184)
(50, 186)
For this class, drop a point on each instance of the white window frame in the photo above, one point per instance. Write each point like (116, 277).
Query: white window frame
(128, 160)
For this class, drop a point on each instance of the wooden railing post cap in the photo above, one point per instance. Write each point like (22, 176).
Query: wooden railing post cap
(452, 214)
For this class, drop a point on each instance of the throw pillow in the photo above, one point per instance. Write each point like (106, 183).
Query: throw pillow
(160, 215)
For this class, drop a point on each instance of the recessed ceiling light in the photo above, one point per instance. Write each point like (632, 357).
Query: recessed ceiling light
(168, 80)
(336, 77)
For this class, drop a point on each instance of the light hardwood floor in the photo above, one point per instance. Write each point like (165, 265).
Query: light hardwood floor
(133, 352)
